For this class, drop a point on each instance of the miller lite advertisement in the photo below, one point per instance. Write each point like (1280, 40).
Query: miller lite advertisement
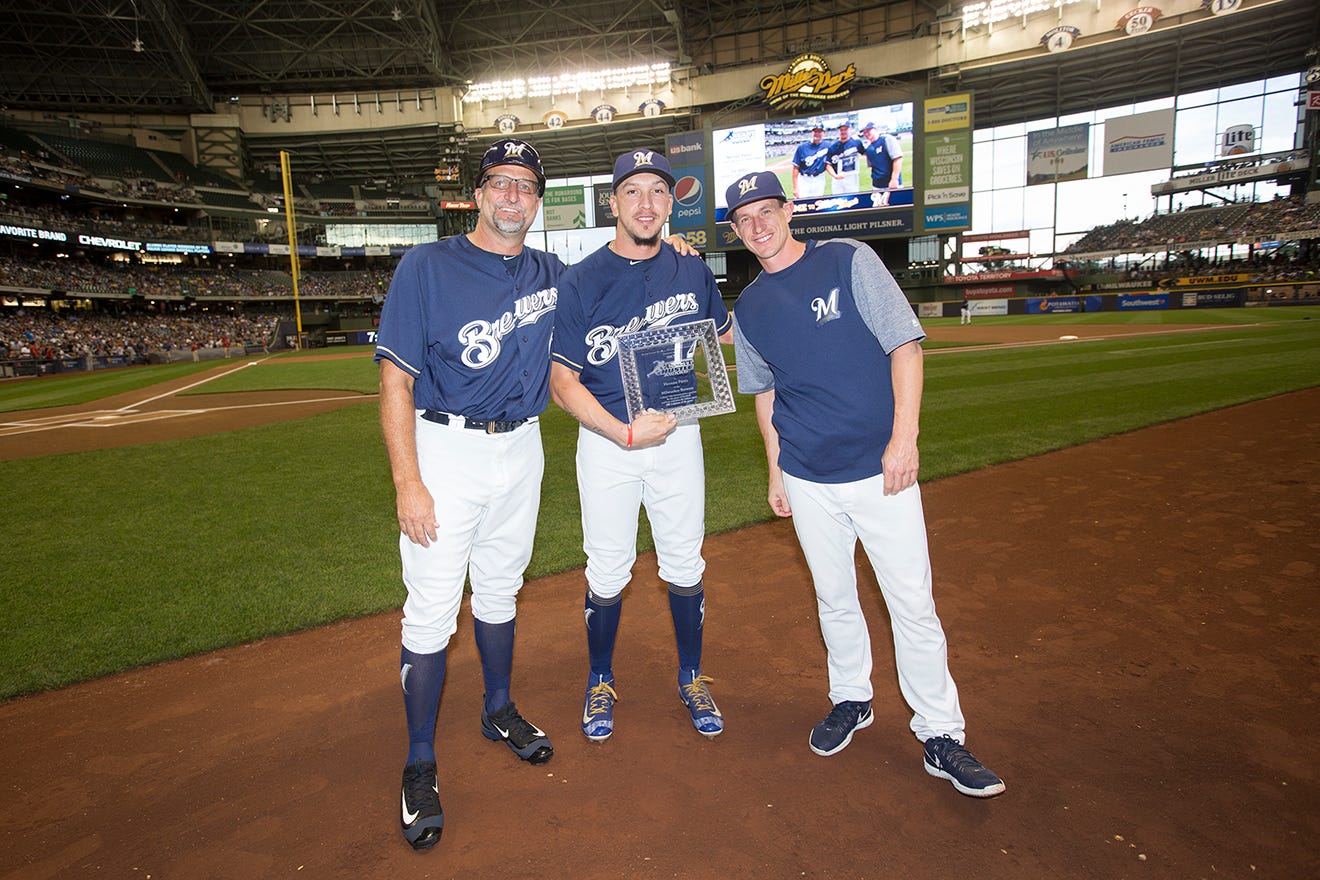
(1237, 140)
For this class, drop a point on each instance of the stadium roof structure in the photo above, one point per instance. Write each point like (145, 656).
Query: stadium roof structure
(149, 58)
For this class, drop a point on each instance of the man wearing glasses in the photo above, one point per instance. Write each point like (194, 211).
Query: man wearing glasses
(464, 362)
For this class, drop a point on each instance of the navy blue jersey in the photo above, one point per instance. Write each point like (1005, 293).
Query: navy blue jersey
(843, 154)
(819, 333)
(606, 295)
(880, 155)
(810, 158)
(472, 328)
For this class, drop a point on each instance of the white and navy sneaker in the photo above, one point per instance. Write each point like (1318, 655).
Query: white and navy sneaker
(834, 733)
(948, 759)
(420, 814)
(694, 691)
(527, 740)
(598, 708)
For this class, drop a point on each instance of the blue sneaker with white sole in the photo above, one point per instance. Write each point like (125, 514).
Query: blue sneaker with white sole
(694, 691)
(946, 758)
(834, 733)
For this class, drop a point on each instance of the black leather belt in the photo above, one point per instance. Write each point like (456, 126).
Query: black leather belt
(492, 426)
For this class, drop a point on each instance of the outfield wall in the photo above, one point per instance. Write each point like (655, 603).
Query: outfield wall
(1131, 300)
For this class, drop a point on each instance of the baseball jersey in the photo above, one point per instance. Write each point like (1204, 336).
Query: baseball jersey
(819, 333)
(810, 158)
(606, 295)
(843, 154)
(880, 155)
(472, 328)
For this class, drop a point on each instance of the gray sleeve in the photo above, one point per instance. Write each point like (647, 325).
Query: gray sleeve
(881, 302)
(753, 372)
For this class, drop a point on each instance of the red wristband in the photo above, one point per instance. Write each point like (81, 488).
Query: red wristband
(630, 436)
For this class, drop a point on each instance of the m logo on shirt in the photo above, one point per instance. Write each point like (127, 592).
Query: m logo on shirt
(826, 308)
(481, 339)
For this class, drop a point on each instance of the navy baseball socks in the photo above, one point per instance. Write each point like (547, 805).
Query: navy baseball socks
(687, 605)
(602, 619)
(946, 758)
(500, 720)
(421, 817)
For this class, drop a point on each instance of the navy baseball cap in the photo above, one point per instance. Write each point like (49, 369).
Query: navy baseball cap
(752, 188)
(868, 126)
(511, 151)
(642, 162)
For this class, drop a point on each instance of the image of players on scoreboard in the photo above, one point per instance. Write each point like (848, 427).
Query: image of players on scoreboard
(829, 161)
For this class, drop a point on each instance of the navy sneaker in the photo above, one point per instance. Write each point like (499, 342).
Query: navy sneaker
(694, 691)
(834, 733)
(946, 758)
(420, 816)
(598, 708)
(527, 740)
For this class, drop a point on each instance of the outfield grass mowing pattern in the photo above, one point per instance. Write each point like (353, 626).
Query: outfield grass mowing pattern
(140, 554)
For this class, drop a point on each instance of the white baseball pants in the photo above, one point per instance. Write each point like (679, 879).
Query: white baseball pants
(670, 479)
(487, 489)
(829, 518)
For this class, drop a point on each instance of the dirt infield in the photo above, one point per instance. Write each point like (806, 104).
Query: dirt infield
(1131, 623)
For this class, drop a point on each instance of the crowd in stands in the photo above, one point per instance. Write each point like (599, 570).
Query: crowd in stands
(158, 280)
(1260, 268)
(1222, 224)
(46, 334)
(50, 216)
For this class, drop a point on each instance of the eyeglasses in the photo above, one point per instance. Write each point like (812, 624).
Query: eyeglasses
(501, 183)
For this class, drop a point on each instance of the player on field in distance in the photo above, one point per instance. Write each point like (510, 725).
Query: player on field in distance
(629, 285)
(829, 345)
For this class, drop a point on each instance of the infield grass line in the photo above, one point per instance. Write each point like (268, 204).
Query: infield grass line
(133, 555)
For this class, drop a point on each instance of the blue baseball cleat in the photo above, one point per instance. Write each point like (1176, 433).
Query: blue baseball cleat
(694, 691)
(598, 708)
(420, 816)
(527, 740)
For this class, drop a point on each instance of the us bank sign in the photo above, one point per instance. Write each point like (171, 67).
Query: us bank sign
(808, 80)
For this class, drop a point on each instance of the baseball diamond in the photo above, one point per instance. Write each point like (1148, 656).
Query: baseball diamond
(1124, 586)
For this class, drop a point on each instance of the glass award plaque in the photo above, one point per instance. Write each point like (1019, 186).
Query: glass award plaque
(678, 369)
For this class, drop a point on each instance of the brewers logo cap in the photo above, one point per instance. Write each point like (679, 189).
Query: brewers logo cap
(642, 162)
(511, 151)
(752, 188)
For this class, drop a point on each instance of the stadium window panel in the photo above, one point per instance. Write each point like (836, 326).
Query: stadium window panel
(1198, 99)
(1194, 135)
(1039, 208)
(1010, 158)
(1242, 90)
(1279, 129)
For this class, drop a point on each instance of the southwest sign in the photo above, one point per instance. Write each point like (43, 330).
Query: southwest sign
(807, 80)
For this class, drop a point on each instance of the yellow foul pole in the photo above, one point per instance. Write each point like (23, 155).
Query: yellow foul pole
(293, 238)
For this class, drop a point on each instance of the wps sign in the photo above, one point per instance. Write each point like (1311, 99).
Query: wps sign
(1237, 140)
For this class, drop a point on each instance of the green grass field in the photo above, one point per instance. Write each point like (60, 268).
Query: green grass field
(123, 557)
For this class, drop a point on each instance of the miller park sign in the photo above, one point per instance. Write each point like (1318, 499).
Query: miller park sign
(807, 81)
